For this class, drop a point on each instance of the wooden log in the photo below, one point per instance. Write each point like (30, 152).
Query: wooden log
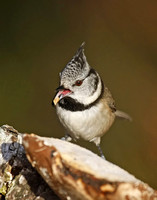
(76, 173)
(72, 172)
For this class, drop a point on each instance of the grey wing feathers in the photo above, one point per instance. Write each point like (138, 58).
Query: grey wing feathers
(111, 103)
(122, 115)
(109, 99)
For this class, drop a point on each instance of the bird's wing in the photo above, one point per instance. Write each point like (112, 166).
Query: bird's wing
(109, 99)
(111, 103)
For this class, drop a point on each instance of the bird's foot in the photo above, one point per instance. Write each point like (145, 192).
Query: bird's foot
(66, 138)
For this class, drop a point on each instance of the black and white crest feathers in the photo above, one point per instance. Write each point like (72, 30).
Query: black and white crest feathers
(77, 67)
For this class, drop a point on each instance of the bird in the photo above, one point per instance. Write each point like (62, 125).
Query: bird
(84, 104)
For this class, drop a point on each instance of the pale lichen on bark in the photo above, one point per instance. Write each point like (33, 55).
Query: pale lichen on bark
(18, 179)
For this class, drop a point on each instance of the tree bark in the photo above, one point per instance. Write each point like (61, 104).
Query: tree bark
(18, 179)
(68, 171)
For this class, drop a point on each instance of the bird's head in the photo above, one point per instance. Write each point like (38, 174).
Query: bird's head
(78, 80)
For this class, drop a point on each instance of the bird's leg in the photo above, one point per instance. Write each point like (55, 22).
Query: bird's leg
(100, 151)
(66, 138)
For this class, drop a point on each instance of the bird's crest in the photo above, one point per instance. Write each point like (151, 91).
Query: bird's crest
(77, 64)
(80, 51)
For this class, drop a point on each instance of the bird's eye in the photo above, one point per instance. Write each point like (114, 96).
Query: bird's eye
(78, 82)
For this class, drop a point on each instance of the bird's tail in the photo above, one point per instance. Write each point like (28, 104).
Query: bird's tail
(122, 115)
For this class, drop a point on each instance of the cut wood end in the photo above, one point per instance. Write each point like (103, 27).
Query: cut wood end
(67, 179)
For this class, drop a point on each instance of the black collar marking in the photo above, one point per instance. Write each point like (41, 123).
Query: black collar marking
(71, 104)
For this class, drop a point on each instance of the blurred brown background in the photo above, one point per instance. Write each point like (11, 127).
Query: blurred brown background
(37, 39)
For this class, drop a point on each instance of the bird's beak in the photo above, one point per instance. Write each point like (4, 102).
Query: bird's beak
(60, 94)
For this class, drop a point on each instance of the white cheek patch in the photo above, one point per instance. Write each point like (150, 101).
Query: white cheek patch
(85, 96)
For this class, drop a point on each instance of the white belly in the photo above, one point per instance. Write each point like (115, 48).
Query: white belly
(89, 124)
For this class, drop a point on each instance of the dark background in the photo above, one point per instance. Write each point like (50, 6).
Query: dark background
(37, 39)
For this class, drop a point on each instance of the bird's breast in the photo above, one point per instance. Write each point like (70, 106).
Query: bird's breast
(87, 124)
